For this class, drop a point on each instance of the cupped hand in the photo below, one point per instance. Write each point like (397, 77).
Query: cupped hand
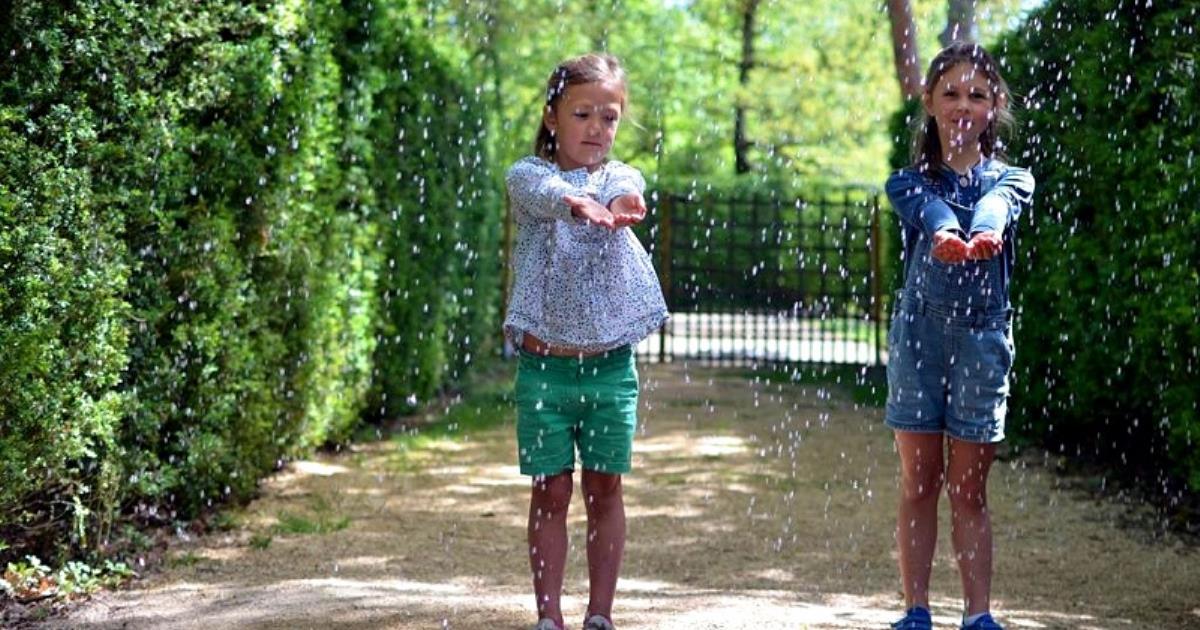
(590, 210)
(985, 245)
(628, 209)
(949, 248)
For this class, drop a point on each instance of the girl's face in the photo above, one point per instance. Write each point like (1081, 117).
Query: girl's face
(584, 123)
(962, 103)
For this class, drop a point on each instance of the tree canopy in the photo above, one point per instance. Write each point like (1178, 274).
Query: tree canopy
(814, 83)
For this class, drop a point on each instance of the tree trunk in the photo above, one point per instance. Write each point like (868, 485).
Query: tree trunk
(740, 143)
(960, 23)
(600, 22)
(489, 50)
(904, 48)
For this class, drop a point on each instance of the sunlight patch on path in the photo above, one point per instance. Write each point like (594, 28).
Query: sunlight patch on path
(686, 445)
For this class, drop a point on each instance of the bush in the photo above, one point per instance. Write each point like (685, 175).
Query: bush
(209, 221)
(1108, 330)
(62, 283)
(422, 149)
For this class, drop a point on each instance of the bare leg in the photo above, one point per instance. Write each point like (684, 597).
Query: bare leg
(606, 538)
(548, 503)
(971, 526)
(921, 470)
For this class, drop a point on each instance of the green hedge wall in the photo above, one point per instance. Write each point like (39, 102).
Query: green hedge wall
(229, 232)
(1109, 332)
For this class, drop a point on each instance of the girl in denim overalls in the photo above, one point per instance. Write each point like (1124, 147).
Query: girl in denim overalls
(950, 346)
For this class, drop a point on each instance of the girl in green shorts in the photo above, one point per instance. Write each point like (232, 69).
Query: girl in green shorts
(584, 294)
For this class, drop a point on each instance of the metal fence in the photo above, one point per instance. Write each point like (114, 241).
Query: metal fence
(763, 279)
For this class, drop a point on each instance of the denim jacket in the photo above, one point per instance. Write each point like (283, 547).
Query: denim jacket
(991, 196)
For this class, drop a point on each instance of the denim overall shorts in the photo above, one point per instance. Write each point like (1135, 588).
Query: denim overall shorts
(950, 350)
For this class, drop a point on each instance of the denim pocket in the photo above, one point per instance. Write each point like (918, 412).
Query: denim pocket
(1008, 349)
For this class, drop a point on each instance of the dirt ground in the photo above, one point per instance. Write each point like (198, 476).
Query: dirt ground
(751, 505)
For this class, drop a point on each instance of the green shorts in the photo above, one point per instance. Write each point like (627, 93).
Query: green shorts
(564, 402)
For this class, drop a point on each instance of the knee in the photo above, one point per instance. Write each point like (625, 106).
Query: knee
(967, 495)
(601, 490)
(921, 489)
(553, 494)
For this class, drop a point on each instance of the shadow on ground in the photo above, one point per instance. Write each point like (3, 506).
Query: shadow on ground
(752, 505)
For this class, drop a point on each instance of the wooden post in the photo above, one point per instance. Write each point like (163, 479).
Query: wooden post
(506, 273)
(876, 277)
(664, 266)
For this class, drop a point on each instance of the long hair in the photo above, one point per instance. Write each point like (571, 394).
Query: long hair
(590, 68)
(927, 151)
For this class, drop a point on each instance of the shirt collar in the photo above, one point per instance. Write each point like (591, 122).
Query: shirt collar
(968, 178)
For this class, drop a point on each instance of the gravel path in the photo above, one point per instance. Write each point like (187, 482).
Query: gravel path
(752, 505)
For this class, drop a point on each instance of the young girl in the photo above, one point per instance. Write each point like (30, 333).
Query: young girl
(950, 345)
(584, 294)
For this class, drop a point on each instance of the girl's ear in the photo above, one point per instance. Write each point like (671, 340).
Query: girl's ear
(548, 118)
(927, 103)
(1001, 101)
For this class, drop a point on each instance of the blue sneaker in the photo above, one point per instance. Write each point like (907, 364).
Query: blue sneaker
(984, 623)
(915, 618)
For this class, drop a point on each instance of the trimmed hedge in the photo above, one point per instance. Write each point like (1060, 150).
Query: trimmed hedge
(228, 233)
(1109, 328)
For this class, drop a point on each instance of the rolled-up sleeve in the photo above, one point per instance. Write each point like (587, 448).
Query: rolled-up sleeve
(1002, 205)
(917, 204)
(536, 190)
(621, 179)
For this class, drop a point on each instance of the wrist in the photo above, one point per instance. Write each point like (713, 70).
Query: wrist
(951, 231)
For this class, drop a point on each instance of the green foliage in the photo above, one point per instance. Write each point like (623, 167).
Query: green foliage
(31, 579)
(62, 280)
(228, 233)
(817, 95)
(438, 284)
(1108, 328)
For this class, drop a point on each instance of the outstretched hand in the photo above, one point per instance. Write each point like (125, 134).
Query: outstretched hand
(590, 210)
(949, 248)
(628, 209)
(984, 245)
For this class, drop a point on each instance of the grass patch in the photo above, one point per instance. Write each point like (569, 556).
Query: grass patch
(226, 521)
(320, 524)
(260, 541)
(686, 403)
(321, 518)
(848, 329)
(184, 560)
(865, 385)
(485, 404)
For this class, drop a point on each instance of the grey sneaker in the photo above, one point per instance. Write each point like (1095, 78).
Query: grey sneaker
(546, 624)
(598, 622)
